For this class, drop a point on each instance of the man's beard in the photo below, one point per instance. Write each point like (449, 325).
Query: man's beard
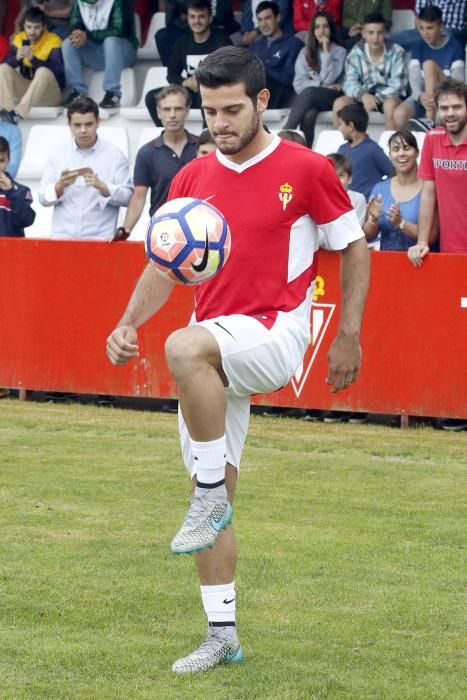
(231, 149)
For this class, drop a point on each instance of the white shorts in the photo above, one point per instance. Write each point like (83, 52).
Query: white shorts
(255, 360)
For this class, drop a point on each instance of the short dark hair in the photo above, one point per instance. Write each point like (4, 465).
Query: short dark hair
(374, 18)
(82, 105)
(455, 87)
(356, 114)
(173, 90)
(204, 137)
(430, 13)
(232, 64)
(199, 5)
(292, 135)
(268, 5)
(4, 146)
(34, 14)
(406, 136)
(341, 163)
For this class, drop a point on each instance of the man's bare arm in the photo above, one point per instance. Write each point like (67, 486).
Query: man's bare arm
(151, 292)
(344, 356)
(426, 219)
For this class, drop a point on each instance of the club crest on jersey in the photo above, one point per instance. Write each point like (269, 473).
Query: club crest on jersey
(285, 194)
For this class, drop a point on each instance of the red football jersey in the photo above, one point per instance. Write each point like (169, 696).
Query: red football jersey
(446, 164)
(273, 204)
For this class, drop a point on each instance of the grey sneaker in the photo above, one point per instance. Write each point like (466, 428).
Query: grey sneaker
(421, 124)
(216, 649)
(203, 523)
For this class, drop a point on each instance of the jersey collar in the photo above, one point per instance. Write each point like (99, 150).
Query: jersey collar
(241, 167)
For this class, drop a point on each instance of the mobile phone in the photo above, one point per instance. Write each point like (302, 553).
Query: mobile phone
(83, 171)
(26, 42)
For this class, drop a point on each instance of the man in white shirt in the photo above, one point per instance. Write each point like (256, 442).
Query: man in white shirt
(86, 179)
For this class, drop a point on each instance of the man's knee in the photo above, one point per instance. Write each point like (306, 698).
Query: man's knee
(43, 75)
(5, 70)
(188, 348)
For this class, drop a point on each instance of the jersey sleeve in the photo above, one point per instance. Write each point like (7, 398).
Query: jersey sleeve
(333, 212)
(426, 170)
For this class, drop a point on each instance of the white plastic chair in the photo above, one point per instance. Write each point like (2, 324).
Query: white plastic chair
(328, 141)
(156, 77)
(402, 19)
(149, 52)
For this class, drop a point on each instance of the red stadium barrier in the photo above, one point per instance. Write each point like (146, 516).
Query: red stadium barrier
(59, 300)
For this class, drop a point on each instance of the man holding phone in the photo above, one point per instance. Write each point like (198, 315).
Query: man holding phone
(86, 179)
(33, 73)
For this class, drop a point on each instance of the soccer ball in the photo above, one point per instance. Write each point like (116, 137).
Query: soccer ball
(188, 240)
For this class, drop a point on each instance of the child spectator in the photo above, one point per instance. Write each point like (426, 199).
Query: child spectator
(353, 18)
(343, 167)
(319, 70)
(292, 135)
(433, 58)
(375, 72)
(369, 162)
(33, 73)
(206, 143)
(12, 134)
(16, 212)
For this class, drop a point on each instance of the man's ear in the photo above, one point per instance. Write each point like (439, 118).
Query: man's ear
(262, 100)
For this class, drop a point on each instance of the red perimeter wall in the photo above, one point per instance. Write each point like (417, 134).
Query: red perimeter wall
(59, 300)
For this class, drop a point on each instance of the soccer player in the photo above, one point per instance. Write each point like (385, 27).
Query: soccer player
(251, 324)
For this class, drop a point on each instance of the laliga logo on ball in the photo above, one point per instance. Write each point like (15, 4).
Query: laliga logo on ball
(188, 240)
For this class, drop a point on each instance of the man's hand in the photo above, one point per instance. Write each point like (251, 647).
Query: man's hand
(355, 29)
(91, 180)
(370, 102)
(190, 83)
(78, 38)
(122, 345)
(417, 252)
(67, 178)
(344, 361)
(427, 100)
(248, 38)
(24, 52)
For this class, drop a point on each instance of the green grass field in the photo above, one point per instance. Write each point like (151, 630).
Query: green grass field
(350, 580)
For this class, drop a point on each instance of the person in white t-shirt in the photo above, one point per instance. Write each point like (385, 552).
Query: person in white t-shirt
(250, 328)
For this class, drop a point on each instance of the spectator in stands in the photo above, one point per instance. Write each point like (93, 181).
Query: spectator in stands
(353, 18)
(278, 52)
(318, 74)
(57, 13)
(206, 144)
(435, 57)
(16, 212)
(12, 134)
(176, 24)
(375, 72)
(454, 14)
(292, 135)
(343, 166)
(86, 179)
(189, 51)
(159, 160)
(369, 162)
(394, 203)
(249, 26)
(102, 37)
(442, 169)
(32, 75)
(304, 11)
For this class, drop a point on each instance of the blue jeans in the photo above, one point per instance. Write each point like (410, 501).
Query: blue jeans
(112, 56)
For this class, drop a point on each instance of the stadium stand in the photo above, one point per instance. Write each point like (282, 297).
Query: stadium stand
(328, 141)
(148, 51)
(402, 19)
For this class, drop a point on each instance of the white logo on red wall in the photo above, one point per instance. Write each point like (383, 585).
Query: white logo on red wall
(321, 315)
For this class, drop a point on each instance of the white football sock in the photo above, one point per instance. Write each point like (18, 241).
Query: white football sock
(210, 461)
(219, 604)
